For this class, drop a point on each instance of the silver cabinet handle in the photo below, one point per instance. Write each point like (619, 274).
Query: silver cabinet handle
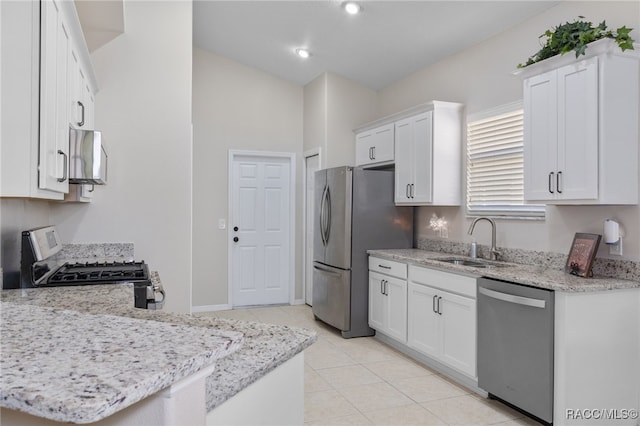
(65, 166)
(81, 122)
(550, 182)
(412, 191)
(511, 298)
(373, 150)
(558, 183)
(386, 287)
(439, 311)
(433, 304)
(384, 267)
(407, 191)
(93, 188)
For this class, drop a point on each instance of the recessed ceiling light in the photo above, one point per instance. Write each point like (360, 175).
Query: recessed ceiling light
(351, 7)
(303, 53)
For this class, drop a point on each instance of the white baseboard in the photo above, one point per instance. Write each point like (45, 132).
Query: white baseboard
(210, 308)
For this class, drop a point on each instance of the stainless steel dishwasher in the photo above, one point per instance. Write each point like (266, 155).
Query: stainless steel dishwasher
(515, 345)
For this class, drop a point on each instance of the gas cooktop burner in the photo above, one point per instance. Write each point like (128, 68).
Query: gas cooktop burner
(98, 273)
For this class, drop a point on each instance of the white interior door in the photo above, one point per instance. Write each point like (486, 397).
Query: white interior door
(261, 260)
(312, 164)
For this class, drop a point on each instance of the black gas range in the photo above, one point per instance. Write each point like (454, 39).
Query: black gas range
(86, 273)
(40, 268)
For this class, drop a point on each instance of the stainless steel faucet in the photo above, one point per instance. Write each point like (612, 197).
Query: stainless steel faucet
(494, 253)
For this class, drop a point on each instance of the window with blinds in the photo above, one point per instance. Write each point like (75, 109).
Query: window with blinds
(495, 172)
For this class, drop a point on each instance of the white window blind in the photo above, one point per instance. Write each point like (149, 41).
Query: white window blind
(495, 173)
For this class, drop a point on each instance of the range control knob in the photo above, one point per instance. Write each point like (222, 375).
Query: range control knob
(236, 239)
(235, 228)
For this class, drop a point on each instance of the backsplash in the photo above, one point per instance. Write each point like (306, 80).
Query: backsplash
(621, 269)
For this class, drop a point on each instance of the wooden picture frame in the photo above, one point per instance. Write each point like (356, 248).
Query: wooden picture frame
(582, 254)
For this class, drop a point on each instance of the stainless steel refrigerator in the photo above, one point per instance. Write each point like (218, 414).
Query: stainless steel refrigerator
(355, 212)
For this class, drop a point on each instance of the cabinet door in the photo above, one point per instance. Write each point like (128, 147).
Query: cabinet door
(540, 136)
(423, 320)
(422, 190)
(383, 146)
(377, 302)
(375, 146)
(396, 305)
(404, 161)
(364, 145)
(458, 339)
(577, 174)
(75, 85)
(54, 124)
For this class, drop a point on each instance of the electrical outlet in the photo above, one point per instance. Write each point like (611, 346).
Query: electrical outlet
(616, 249)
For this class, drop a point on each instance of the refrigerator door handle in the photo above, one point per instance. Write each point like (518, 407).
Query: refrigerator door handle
(328, 208)
(323, 220)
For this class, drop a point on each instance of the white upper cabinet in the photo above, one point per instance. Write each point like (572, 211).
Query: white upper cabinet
(428, 152)
(374, 147)
(581, 128)
(55, 46)
(46, 70)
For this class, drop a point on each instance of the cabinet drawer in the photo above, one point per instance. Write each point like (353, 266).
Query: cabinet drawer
(388, 267)
(453, 283)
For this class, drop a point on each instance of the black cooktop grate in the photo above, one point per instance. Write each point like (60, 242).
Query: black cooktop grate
(99, 273)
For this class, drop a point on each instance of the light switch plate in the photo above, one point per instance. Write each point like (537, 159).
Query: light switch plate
(222, 224)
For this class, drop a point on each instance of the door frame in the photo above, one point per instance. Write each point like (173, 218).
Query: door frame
(306, 154)
(266, 155)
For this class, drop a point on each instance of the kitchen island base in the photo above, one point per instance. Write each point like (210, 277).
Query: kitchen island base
(275, 399)
(183, 403)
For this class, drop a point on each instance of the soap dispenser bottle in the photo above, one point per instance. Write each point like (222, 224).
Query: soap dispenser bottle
(473, 250)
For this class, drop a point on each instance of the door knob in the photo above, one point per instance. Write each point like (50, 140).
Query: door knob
(235, 228)
(236, 239)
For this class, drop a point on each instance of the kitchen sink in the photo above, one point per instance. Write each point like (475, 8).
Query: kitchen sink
(471, 262)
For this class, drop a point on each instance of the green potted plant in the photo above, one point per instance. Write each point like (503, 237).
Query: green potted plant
(575, 36)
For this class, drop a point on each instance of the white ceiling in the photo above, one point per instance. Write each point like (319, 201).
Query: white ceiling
(389, 40)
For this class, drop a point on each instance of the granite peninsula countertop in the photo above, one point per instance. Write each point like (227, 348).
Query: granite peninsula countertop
(532, 275)
(264, 346)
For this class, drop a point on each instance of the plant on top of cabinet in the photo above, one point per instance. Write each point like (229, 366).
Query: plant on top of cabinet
(575, 36)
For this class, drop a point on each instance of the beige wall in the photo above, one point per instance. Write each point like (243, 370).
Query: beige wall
(144, 110)
(334, 106)
(240, 108)
(315, 115)
(481, 78)
(348, 106)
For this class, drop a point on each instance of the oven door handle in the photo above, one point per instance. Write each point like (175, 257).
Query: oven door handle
(511, 298)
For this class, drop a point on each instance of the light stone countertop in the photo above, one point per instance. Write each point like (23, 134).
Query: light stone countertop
(265, 346)
(532, 275)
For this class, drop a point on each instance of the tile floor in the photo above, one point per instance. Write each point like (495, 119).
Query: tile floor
(363, 381)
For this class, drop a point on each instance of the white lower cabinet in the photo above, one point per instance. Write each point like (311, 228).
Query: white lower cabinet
(388, 298)
(442, 324)
(429, 311)
(388, 305)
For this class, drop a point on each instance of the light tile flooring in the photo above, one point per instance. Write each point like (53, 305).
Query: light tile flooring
(363, 381)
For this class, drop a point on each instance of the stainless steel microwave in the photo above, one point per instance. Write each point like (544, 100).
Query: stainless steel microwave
(87, 157)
